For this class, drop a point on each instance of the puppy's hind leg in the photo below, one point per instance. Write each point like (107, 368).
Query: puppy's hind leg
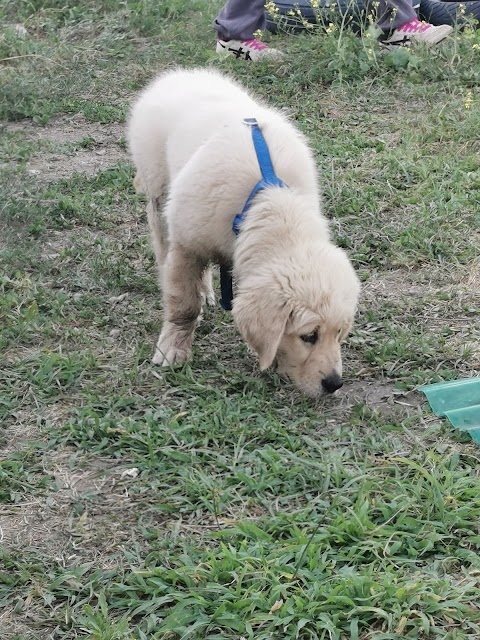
(207, 287)
(159, 233)
(183, 289)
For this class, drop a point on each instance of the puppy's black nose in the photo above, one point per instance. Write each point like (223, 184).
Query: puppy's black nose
(332, 382)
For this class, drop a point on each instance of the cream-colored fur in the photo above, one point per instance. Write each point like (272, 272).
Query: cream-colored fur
(196, 162)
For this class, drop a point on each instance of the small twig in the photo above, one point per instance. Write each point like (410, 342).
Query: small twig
(215, 507)
(26, 55)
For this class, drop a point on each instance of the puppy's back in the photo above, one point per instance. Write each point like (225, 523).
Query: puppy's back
(175, 98)
(176, 113)
(181, 113)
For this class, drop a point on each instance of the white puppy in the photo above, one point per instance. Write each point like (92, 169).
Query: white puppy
(296, 293)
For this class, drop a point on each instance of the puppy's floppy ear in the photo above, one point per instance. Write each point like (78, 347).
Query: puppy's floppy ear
(261, 318)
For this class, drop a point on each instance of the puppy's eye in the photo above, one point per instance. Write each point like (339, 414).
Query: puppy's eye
(310, 338)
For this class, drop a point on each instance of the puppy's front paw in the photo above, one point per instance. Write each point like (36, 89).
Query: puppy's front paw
(210, 298)
(168, 353)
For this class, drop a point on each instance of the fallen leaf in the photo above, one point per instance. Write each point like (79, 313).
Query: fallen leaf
(278, 605)
(130, 473)
(119, 298)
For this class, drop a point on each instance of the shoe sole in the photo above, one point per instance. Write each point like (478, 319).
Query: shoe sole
(249, 55)
(404, 42)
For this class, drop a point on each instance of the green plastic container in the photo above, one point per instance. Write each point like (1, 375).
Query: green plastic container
(459, 401)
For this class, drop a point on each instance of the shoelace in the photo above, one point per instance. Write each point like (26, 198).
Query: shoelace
(258, 45)
(415, 26)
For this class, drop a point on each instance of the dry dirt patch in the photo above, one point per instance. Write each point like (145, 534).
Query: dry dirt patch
(66, 129)
(106, 148)
(402, 283)
(89, 506)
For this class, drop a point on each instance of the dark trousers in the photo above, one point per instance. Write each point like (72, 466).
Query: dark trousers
(239, 19)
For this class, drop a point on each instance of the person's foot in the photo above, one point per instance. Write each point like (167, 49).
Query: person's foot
(248, 50)
(416, 31)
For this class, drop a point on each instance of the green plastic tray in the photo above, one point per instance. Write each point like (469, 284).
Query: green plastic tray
(459, 401)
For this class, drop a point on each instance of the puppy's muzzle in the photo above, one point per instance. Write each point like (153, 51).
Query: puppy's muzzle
(332, 382)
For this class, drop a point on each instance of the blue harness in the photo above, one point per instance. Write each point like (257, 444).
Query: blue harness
(268, 179)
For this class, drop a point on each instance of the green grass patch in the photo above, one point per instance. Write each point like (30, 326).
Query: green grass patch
(22, 476)
(215, 501)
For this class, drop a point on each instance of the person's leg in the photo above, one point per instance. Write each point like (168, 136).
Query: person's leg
(236, 25)
(239, 19)
(392, 14)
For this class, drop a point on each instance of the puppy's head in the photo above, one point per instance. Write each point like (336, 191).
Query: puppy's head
(298, 312)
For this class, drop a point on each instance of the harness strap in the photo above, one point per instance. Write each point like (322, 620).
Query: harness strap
(268, 179)
(226, 288)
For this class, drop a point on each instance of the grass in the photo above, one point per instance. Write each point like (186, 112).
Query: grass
(216, 501)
